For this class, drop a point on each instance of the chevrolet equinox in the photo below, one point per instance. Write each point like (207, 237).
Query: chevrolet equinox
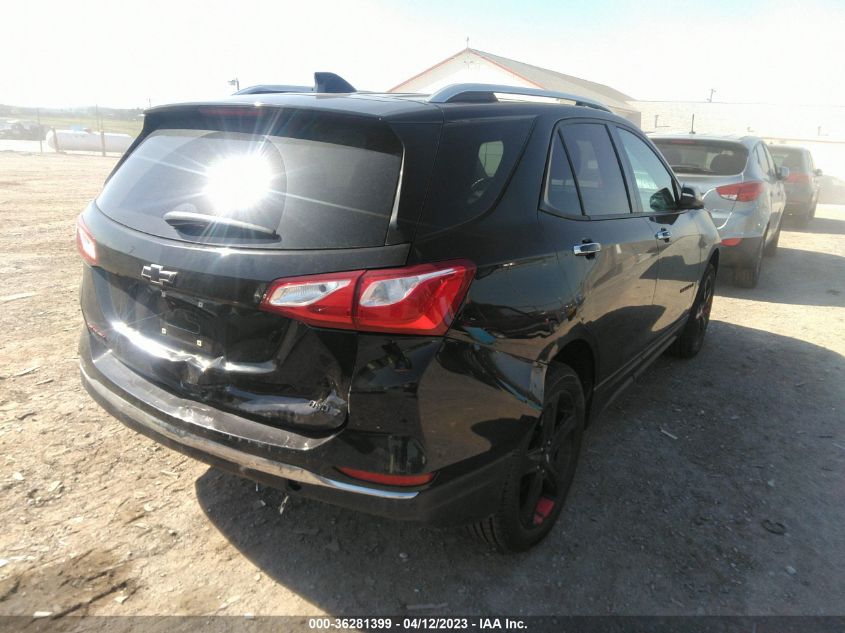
(409, 305)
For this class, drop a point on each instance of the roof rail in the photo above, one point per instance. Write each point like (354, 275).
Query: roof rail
(465, 92)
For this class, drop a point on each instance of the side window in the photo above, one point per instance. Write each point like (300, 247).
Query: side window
(760, 153)
(596, 169)
(561, 193)
(654, 182)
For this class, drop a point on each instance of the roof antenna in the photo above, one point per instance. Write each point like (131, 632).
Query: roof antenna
(692, 124)
(467, 42)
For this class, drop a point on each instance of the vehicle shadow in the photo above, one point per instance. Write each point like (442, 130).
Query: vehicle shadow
(827, 226)
(796, 277)
(667, 510)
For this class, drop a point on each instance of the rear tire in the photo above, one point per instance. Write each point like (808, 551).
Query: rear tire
(750, 276)
(541, 470)
(771, 249)
(690, 341)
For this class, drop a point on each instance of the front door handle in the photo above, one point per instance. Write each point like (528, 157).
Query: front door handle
(664, 234)
(587, 248)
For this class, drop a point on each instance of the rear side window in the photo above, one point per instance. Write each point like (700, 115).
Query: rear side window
(474, 162)
(596, 169)
(654, 183)
(306, 180)
(561, 193)
(690, 156)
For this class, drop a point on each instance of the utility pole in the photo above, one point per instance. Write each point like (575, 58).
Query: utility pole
(710, 98)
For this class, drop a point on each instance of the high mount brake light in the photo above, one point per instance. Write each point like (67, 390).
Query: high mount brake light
(742, 191)
(85, 242)
(421, 299)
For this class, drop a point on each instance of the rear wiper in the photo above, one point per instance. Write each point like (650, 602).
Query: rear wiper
(186, 218)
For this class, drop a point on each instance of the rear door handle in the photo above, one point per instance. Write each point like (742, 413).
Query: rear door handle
(664, 234)
(588, 248)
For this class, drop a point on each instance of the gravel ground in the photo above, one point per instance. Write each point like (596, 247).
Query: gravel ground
(712, 486)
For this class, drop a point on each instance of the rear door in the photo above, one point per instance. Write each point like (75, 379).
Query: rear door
(610, 255)
(678, 236)
(202, 215)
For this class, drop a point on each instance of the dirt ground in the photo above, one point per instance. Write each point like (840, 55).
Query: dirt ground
(713, 486)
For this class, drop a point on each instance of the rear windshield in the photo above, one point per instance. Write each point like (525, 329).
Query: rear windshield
(716, 158)
(300, 180)
(792, 159)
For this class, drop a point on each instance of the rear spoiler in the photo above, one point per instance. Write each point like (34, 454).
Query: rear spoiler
(323, 83)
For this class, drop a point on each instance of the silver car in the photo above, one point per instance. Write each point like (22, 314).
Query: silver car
(743, 191)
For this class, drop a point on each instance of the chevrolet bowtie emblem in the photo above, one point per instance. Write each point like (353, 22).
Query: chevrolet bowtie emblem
(157, 275)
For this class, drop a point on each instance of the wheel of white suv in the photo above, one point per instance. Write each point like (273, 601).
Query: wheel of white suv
(750, 276)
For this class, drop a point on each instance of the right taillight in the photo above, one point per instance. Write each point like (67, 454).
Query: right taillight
(798, 178)
(422, 299)
(85, 242)
(741, 191)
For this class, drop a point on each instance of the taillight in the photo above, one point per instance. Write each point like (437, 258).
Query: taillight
(742, 191)
(798, 178)
(85, 242)
(386, 479)
(731, 241)
(421, 299)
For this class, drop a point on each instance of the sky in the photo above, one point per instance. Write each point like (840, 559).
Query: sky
(132, 54)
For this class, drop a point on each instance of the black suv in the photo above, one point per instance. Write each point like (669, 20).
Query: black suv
(408, 305)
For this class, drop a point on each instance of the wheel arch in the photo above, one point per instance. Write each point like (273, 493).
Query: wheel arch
(578, 354)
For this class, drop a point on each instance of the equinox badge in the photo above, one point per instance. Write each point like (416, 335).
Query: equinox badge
(157, 274)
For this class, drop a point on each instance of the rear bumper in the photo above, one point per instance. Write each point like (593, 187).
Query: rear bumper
(299, 464)
(743, 255)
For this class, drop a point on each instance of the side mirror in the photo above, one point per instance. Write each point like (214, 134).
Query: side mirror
(783, 173)
(690, 198)
(818, 172)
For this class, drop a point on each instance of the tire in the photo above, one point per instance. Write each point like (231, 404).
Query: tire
(541, 470)
(750, 276)
(771, 249)
(690, 341)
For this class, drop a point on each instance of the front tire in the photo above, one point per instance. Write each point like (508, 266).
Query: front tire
(541, 470)
(690, 341)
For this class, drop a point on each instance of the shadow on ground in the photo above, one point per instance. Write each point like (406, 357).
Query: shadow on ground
(676, 507)
(828, 226)
(799, 272)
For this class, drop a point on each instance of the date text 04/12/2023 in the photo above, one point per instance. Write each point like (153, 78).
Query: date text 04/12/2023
(416, 623)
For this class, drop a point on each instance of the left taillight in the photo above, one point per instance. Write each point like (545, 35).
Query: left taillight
(421, 299)
(85, 242)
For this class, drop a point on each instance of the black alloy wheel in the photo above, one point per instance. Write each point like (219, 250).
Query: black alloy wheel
(542, 471)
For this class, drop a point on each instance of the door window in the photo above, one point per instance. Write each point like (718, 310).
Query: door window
(596, 169)
(654, 183)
